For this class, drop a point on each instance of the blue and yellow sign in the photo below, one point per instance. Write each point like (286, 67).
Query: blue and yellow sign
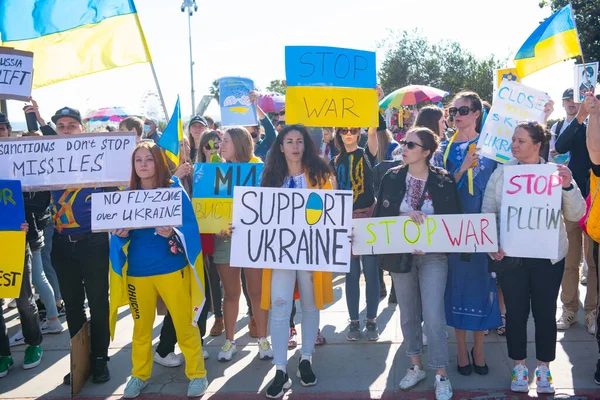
(12, 239)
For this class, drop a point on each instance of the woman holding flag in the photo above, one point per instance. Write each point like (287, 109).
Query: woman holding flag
(163, 261)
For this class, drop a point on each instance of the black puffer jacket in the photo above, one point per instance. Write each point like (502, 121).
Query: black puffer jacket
(37, 216)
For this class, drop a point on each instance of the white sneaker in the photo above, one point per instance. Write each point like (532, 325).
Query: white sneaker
(520, 379)
(265, 352)
(413, 376)
(171, 360)
(52, 327)
(205, 354)
(565, 321)
(12, 303)
(17, 339)
(443, 389)
(227, 351)
(134, 388)
(543, 379)
(590, 322)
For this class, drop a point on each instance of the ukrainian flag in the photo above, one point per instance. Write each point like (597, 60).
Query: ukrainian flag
(73, 38)
(190, 238)
(553, 41)
(172, 136)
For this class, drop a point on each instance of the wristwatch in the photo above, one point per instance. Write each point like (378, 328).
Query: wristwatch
(569, 188)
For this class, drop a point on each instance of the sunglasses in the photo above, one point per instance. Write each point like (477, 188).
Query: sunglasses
(464, 110)
(215, 146)
(410, 145)
(343, 131)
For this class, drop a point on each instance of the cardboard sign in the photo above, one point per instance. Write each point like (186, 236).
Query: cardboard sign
(586, 76)
(234, 99)
(212, 195)
(81, 362)
(16, 74)
(12, 207)
(458, 233)
(68, 161)
(328, 86)
(513, 103)
(531, 211)
(297, 229)
(133, 209)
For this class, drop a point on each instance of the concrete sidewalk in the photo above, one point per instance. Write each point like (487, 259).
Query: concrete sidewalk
(345, 370)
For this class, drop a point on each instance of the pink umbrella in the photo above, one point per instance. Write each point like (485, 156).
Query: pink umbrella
(114, 114)
(271, 101)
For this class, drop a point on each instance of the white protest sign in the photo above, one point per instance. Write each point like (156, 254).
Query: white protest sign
(16, 74)
(297, 229)
(513, 103)
(458, 233)
(68, 161)
(531, 211)
(132, 209)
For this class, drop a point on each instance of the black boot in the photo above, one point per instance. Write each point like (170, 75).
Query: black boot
(100, 373)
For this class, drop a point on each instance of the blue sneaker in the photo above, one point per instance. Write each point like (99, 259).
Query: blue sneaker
(134, 388)
(197, 387)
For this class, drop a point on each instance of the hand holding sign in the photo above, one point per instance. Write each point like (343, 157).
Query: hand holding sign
(566, 175)
(470, 159)
(591, 104)
(122, 233)
(165, 231)
(548, 110)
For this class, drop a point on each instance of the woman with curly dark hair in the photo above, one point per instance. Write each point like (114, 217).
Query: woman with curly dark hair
(294, 162)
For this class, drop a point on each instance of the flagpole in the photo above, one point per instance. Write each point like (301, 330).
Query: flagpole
(579, 42)
(160, 95)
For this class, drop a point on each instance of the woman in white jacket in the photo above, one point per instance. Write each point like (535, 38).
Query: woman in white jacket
(532, 283)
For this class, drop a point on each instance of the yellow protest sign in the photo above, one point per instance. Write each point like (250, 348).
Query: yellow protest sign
(331, 106)
(213, 215)
(12, 248)
(510, 74)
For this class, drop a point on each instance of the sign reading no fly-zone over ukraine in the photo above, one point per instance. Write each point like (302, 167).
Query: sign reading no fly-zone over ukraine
(329, 86)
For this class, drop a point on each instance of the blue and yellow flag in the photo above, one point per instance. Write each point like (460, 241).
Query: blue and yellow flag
(73, 38)
(172, 136)
(553, 41)
(190, 238)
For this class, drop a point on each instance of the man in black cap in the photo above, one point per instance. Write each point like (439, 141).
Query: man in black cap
(5, 128)
(196, 128)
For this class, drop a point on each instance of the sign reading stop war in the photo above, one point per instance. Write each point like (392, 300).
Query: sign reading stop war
(212, 194)
(297, 229)
(328, 86)
(12, 239)
(531, 211)
(68, 161)
(457, 233)
(16, 74)
(131, 209)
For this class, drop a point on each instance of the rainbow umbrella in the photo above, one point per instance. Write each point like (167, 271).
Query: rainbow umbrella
(271, 102)
(412, 94)
(115, 114)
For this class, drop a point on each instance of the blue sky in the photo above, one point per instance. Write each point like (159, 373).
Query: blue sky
(244, 38)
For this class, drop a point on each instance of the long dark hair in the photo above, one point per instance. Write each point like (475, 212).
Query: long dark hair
(429, 117)
(162, 175)
(204, 139)
(276, 166)
(338, 140)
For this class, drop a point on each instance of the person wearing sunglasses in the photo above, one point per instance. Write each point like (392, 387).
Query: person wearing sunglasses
(353, 171)
(261, 145)
(417, 189)
(469, 284)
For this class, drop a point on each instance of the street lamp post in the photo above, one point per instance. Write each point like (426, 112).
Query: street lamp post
(191, 7)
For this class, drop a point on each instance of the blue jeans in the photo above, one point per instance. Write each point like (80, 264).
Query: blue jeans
(47, 261)
(369, 267)
(41, 284)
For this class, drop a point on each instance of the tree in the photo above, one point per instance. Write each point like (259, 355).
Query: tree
(411, 60)
(214, 89)
(277, 86)
(587, 18)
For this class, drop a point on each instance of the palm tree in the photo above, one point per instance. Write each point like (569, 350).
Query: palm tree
(214, 89)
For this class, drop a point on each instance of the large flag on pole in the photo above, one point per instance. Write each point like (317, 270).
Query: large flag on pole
(553, 41)
(73, 38)
(172, 135)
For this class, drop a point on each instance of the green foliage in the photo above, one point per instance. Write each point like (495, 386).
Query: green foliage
(411, 60)
(214, 89)
(277, 86)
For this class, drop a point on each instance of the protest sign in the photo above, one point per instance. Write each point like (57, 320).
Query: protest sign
(68, 161)
(586, 76)
(212, 194)
(510, 74)
(12, 238)
(298, 229)
(531, 211)
(457, 233)
(234, 99)
(328, 86)
(513, 103)
(131, 209)
(16, 74)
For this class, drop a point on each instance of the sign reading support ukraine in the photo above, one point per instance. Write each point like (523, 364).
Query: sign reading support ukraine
(329, 86)
(12, 238)
(212, 195)
(234, 99)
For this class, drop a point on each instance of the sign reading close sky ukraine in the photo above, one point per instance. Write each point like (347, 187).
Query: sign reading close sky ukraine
(329, 86)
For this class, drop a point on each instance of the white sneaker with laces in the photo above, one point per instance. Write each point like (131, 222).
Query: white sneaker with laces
(52, 327)
(227, 351)
(543, 379)
(171, 360)
(565, 321)
(520, 379)
(413, 376)
(590, 322)
(17, 339)
(443, 389)
(265, 352)
(134, 388)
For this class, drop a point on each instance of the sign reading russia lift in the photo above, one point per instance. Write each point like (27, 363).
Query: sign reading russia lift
(472, 233)
(296, 229)
(16, 74)
(531, 209)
